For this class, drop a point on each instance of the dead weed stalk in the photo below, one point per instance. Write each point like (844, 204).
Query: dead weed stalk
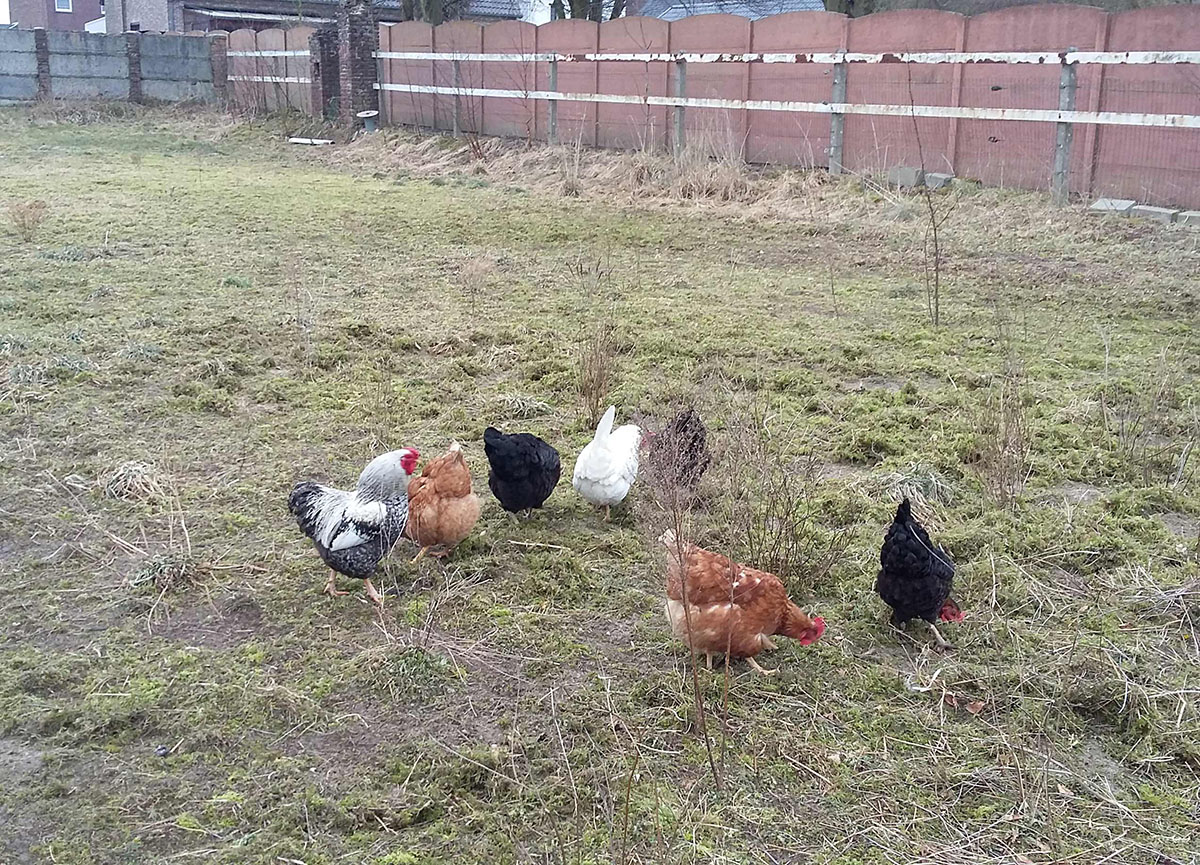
(27, 217)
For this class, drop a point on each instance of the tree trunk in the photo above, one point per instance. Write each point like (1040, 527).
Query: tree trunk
(557, 11)
(434, 11)
(618, 9)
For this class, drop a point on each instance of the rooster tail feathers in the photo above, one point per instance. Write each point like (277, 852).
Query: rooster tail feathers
(606, 423)
(904, 512)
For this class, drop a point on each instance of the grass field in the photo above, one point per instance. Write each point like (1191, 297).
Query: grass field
(205, 316)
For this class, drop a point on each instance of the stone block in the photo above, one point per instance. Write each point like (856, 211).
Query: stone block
(1116, 206)
(935, 180)
(905, 177)
(1188, 217)
(1158, 214)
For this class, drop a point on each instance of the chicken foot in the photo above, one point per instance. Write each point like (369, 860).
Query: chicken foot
(941, 641)
(753, 663)
(330, 589)
(373, 594)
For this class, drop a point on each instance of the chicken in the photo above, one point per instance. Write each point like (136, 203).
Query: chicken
(679, 454)
(730, 608)
(608, 465)
(442, 510)
(353, 531)
(915, 577)
(523, 469)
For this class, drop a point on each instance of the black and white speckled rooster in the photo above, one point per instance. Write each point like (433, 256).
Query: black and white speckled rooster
(353, 531)
(915, 577)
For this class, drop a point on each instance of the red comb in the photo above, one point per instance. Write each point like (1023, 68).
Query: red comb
(814, 633)
(950, 612)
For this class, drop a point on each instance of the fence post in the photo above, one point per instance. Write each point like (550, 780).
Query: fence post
(41, 47)
(837, 120)
(552, 110)
(218, 58)
(358, 40)
(1061, 182)
(680, 93)
(133, 57)
(457, 65)
(323, 71)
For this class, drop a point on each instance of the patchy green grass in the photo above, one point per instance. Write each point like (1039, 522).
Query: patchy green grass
(204, 316)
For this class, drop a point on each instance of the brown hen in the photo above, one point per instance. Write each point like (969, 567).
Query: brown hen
(442, 510)
(731, 608)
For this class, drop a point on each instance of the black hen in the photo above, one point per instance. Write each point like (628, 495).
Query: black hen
(679, 453)
(523, 469)
(915, 577)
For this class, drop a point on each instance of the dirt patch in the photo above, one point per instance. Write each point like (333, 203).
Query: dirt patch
(18, 765)
(232, 621)
(841, 471)
(1077, 493)
(18, 761)
(1183, 525)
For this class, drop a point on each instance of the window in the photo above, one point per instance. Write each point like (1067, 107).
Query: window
(62, 5)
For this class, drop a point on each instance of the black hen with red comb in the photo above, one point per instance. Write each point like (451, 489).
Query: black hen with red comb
(915, 577)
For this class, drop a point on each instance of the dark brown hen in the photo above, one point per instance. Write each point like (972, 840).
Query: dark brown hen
(679, 454)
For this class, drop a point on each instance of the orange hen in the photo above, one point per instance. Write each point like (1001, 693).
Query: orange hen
(442, 510)
(731, 608)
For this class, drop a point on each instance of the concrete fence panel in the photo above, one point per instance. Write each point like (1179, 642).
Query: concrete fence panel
(176, 68)
(88, 65)
(576, 120)
(411, 109)
(1014, 153)
(512, 118)
(720, 131)
(297, 68)
(874, 143)
(244, 91)
(633, 126)
(1168, 169)
(459, 37)
(18, 65)
(273, 68)
(783, 137)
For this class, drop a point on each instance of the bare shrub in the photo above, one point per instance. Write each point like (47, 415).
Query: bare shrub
(597, 367)
(1137, 415)
(1003, 464)
(770, 503)
(476, 276)
(27, 217)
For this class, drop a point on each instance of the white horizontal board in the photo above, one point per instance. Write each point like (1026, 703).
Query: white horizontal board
(1103, 58)
(1115, 118)
(270, 79)
(296, 53)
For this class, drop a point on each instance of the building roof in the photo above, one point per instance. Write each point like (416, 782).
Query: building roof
(673, 10)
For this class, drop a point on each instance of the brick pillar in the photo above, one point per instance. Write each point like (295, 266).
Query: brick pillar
(218, 56)
(133, 53)
(358, 39)
(41, 47)
(323, 64)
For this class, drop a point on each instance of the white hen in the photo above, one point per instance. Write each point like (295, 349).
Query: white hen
(607, 467)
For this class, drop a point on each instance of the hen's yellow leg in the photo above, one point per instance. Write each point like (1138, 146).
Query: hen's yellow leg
(330, 589)
(753, 663)
(373, 594)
